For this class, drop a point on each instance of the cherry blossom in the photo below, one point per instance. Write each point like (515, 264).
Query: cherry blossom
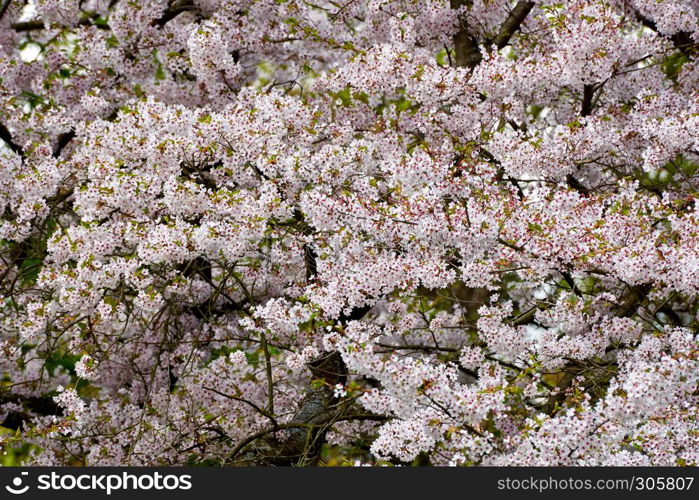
(406, 232)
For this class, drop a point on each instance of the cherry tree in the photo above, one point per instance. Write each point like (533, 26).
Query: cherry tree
(295, 232)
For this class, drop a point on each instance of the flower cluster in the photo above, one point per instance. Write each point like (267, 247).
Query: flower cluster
(450, 232)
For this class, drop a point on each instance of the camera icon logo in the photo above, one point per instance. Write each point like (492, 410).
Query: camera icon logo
(17, 483)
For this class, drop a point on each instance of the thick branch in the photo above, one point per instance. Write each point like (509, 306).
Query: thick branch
(588, 95)
(43, 405)
(585, 110)
(316, 413)
(6, 136)
(682, 40)
(512, 23)
(173, 10)
(466, 46)
(574, 183)
(4, 7)
(39, 24)
(63, 140)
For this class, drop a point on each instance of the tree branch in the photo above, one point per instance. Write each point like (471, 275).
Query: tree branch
(39, 24)
(174, 9)
(682, 39)
(4, 7)
(63, 140)
(465, 46)
(512, 23)
(6, 136)
(40, 405)
(588, 95)
(317, 411)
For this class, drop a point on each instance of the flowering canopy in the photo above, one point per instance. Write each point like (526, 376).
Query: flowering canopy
(285, 232)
